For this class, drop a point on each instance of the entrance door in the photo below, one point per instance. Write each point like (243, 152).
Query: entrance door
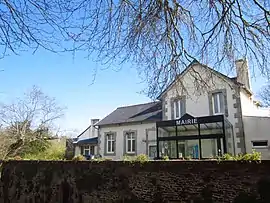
(181, 150)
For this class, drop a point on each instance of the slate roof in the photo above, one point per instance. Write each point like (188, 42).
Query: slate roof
(93, 140)
(136, 113)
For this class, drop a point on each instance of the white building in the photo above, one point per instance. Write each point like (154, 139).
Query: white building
(218, 117)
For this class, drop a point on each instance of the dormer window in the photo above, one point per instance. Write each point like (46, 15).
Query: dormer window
(218, 103)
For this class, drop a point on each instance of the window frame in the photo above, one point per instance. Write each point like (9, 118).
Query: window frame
(154, 145)
(221, 110)
(86, 148)
(259, 147)
(132, 139)
(92, 147)
(177, 102)
(110, 141)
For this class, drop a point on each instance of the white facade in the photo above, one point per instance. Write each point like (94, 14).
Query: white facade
(257, 134)
(198, 102)
(145, 132)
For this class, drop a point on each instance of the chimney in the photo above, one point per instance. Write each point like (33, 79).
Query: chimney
(242, 71)
(93, 132)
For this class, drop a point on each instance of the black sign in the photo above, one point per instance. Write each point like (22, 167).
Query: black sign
(186, 119)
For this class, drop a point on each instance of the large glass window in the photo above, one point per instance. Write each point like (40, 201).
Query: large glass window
(168, 148)
(167, 132)
(209, 148)
(189, 149)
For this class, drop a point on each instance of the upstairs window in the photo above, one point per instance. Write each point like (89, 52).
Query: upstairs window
(178, 107)
(218, 103)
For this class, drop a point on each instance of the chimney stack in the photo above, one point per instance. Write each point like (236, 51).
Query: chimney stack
(93, 132)
(242, 71)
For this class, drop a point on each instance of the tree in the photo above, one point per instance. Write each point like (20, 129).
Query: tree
(29, 121)
(160, 36)
(264, 95)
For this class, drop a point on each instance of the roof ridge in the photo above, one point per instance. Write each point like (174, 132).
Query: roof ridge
(138, 104)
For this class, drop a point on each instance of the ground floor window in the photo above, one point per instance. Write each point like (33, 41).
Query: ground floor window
(130, 142)
(86, 150)
(110, 143)
(92, 150)
(152, 151)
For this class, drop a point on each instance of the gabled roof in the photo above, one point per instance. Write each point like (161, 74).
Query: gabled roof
(84, 131)
(194, 62)
(136, 113)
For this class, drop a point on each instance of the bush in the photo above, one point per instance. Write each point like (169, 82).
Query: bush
(254, 156)
(78, 158)
(165, 158)
(142, 158)
(56, 151)
(127, 158)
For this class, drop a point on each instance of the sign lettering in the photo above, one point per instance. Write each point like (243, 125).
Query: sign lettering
(186, 121)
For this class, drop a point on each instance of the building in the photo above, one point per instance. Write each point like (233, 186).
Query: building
(86, 143)
(190, 119)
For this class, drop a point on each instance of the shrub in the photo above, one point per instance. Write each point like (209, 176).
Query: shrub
(101, 159)
(141, 158)
(127, 158)
(165, 158)
(253, 156)
(56, 151)
(78, 158)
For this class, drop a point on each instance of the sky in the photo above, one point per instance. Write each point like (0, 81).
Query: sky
(70, 80)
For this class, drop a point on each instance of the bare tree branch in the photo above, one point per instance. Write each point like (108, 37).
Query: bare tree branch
(29, 119)
(159, 37)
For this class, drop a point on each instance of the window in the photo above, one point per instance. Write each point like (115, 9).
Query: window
(260, 144)
(218, 103)
(178, 106)
(152, 151)
(92, 150)
(130, 142)
(86, 150)
(110, 143)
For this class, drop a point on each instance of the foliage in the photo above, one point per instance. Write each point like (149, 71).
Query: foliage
(127, 158)
(165, 158)
(254, 156)
(28, 122)
(55, 151)
(101, 159)
(78, 158)
(142, 158)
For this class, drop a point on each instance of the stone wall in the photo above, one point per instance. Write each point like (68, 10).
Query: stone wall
(108, 181)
